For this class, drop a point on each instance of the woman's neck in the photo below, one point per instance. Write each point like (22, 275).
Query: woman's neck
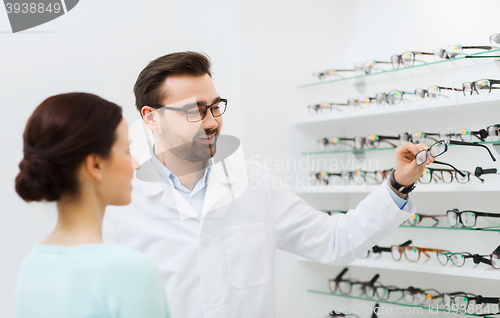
(79, 222)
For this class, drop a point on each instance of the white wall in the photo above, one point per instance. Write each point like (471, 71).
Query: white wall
(260, 50)
(98, 47)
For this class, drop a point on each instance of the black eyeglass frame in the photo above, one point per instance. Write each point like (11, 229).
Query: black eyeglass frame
(186, 110)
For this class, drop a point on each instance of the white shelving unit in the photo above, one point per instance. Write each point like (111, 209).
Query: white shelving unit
(455, 112)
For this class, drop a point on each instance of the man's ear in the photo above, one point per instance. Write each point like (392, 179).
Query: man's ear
(150, 116)
(94, 165)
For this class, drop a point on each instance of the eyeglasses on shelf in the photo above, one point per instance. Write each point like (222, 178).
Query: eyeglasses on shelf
(417, 218)
(433, 92)
(458, 259)
(454, 51)
(369, 142)
(412, 253)
(358, 177)
(407, 59)
(483, 86)
(394, 97)
(331, 72)
(378, 250)
(467, 218)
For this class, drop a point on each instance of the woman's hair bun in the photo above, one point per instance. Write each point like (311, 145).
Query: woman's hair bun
(38, 180)
(62, 131)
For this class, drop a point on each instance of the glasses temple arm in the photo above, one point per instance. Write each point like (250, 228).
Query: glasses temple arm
(462, 143)
(451, 166)
(477, 47)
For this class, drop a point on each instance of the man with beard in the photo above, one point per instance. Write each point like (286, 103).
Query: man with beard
(213, 236)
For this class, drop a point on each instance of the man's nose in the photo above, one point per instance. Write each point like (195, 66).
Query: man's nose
(209, 121)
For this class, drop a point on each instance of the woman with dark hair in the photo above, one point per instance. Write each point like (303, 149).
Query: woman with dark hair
(76, 152)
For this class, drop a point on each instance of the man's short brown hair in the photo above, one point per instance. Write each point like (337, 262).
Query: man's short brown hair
(147, 88)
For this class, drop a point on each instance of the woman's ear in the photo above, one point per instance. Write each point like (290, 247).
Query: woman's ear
(149, 115)
(93, 165)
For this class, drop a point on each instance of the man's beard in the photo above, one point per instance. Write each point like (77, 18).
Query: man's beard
(191, 150)
(195, 151)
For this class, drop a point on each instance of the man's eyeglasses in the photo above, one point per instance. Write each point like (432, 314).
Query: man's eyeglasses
(358, 177)
(483, 86)
(467, 218)
(441, 147)
(196, 112)
(444, 175)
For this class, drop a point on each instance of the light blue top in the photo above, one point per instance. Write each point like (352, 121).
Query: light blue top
(89, 280)
(400, 202)
(196, 197)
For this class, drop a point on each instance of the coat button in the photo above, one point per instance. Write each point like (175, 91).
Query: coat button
(206, 242)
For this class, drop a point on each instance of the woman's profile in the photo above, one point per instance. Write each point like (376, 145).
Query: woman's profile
(76, 153)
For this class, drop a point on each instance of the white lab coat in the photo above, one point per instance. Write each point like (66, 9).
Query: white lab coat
(222, 264)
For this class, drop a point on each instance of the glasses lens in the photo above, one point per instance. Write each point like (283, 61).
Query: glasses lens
(220, 109)
(396, 253)
(333, 286)
(463, 135)
(369, 291)
(359, 142)
(457, 259)
(454, 51)
(468, 218)
(434, 92)
(495, 40)
(381, 98)
(408, 296)
(464, 179)
(345, 287)
(412, 254)
(372, 141)
(426, 176)
(495, 261)
(439, 54)
(442, 258)
(494, 132)
(404, 138)
(345, 177)
(394, 97)
(446, 134)
(447, 299)
(380, 176)
(446, 176)
(395, 61)
(482, 86)
(461, 301)
(420, 94)
(467, 88)
(421, 157)
(419, 137)
(408, 59)
(414, 219)
(382, 293)
(359, 68)
(370, 66)
(452, 217)
(437, 149)
(359, 177)
(196, 113)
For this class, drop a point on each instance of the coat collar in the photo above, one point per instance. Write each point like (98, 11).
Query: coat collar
(227, 181)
